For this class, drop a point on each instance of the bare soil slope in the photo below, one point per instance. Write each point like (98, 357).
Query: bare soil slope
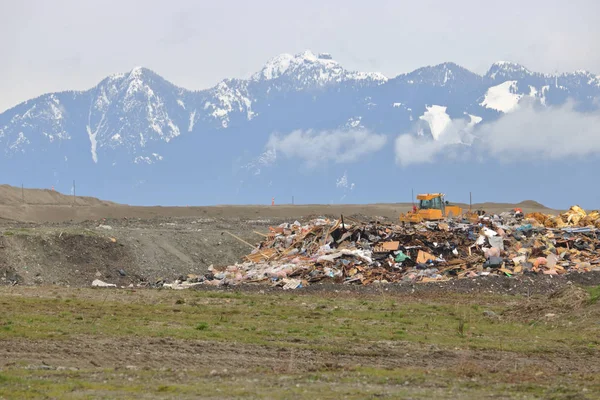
(12, 196)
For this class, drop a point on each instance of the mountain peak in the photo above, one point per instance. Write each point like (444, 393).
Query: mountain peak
(137, 71)
(440, 75)
(284, 63)
(310, 68)
(507, 70)
(507, 64)
(448, 65)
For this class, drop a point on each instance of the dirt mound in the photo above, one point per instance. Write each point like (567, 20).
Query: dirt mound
(566, 300)
(12, 196)
(73, 259)
(532, 204)
(569, 298)
(527, 206)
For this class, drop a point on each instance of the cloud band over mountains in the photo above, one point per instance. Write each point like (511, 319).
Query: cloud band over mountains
(531, 131)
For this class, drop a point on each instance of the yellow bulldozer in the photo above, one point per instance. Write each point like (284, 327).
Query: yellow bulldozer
(432, 207)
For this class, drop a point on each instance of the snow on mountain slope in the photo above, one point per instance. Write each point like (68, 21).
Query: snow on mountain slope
(437, 119)
(34, 122)
(579, 79)
(473, 120)
(226, 97)
(131, 111)
(502, 97)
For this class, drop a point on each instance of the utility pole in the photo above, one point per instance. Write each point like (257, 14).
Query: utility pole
(73, 191)
(22, 194)
(470, 201)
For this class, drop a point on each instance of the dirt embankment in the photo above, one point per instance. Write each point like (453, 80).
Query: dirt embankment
(122, 251)
(45, 206)
(13, 196)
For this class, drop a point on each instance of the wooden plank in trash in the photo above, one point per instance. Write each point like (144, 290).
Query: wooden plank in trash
(264, 254)
(427, 280)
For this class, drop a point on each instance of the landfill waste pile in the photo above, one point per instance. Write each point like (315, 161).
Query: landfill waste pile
(348, 251)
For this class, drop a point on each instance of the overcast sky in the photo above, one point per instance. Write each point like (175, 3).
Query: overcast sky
(72, 44)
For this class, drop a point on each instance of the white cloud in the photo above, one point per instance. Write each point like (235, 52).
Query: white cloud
(419, 148)
(416, 150)
(266, 159)
(542, 133)
(344, 183)
(530, 131)
(340, 146)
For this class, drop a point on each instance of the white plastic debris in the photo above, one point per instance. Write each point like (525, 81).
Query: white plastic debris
(99, 283)
(291, 284)
(362, 254)
(182, 285)
(489, 233)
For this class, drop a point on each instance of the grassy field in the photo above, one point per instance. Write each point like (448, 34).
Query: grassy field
(86, 343)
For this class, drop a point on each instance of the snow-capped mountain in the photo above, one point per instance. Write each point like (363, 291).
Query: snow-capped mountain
(137, 128)
(306, 70)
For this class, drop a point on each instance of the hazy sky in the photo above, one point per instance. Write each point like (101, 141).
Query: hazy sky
(73, 44)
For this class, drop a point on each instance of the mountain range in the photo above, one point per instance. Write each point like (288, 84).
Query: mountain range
(302, 126)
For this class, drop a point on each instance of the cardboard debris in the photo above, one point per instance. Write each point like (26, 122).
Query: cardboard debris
(387, 246)
(423, 257)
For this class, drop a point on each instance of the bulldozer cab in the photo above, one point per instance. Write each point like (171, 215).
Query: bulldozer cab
(431, 202)
(434, 201)
(432, 207)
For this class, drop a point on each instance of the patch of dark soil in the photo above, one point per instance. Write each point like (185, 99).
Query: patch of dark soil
(106, 352)
(8, 274)
(526, 285)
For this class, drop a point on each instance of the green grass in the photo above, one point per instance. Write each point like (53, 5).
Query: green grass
(311, 321)
(326, 324)
(594, 292)
(202, 326)
(357, 383)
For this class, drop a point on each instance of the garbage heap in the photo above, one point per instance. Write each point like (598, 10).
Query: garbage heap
(350, 251)
(575, 216)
